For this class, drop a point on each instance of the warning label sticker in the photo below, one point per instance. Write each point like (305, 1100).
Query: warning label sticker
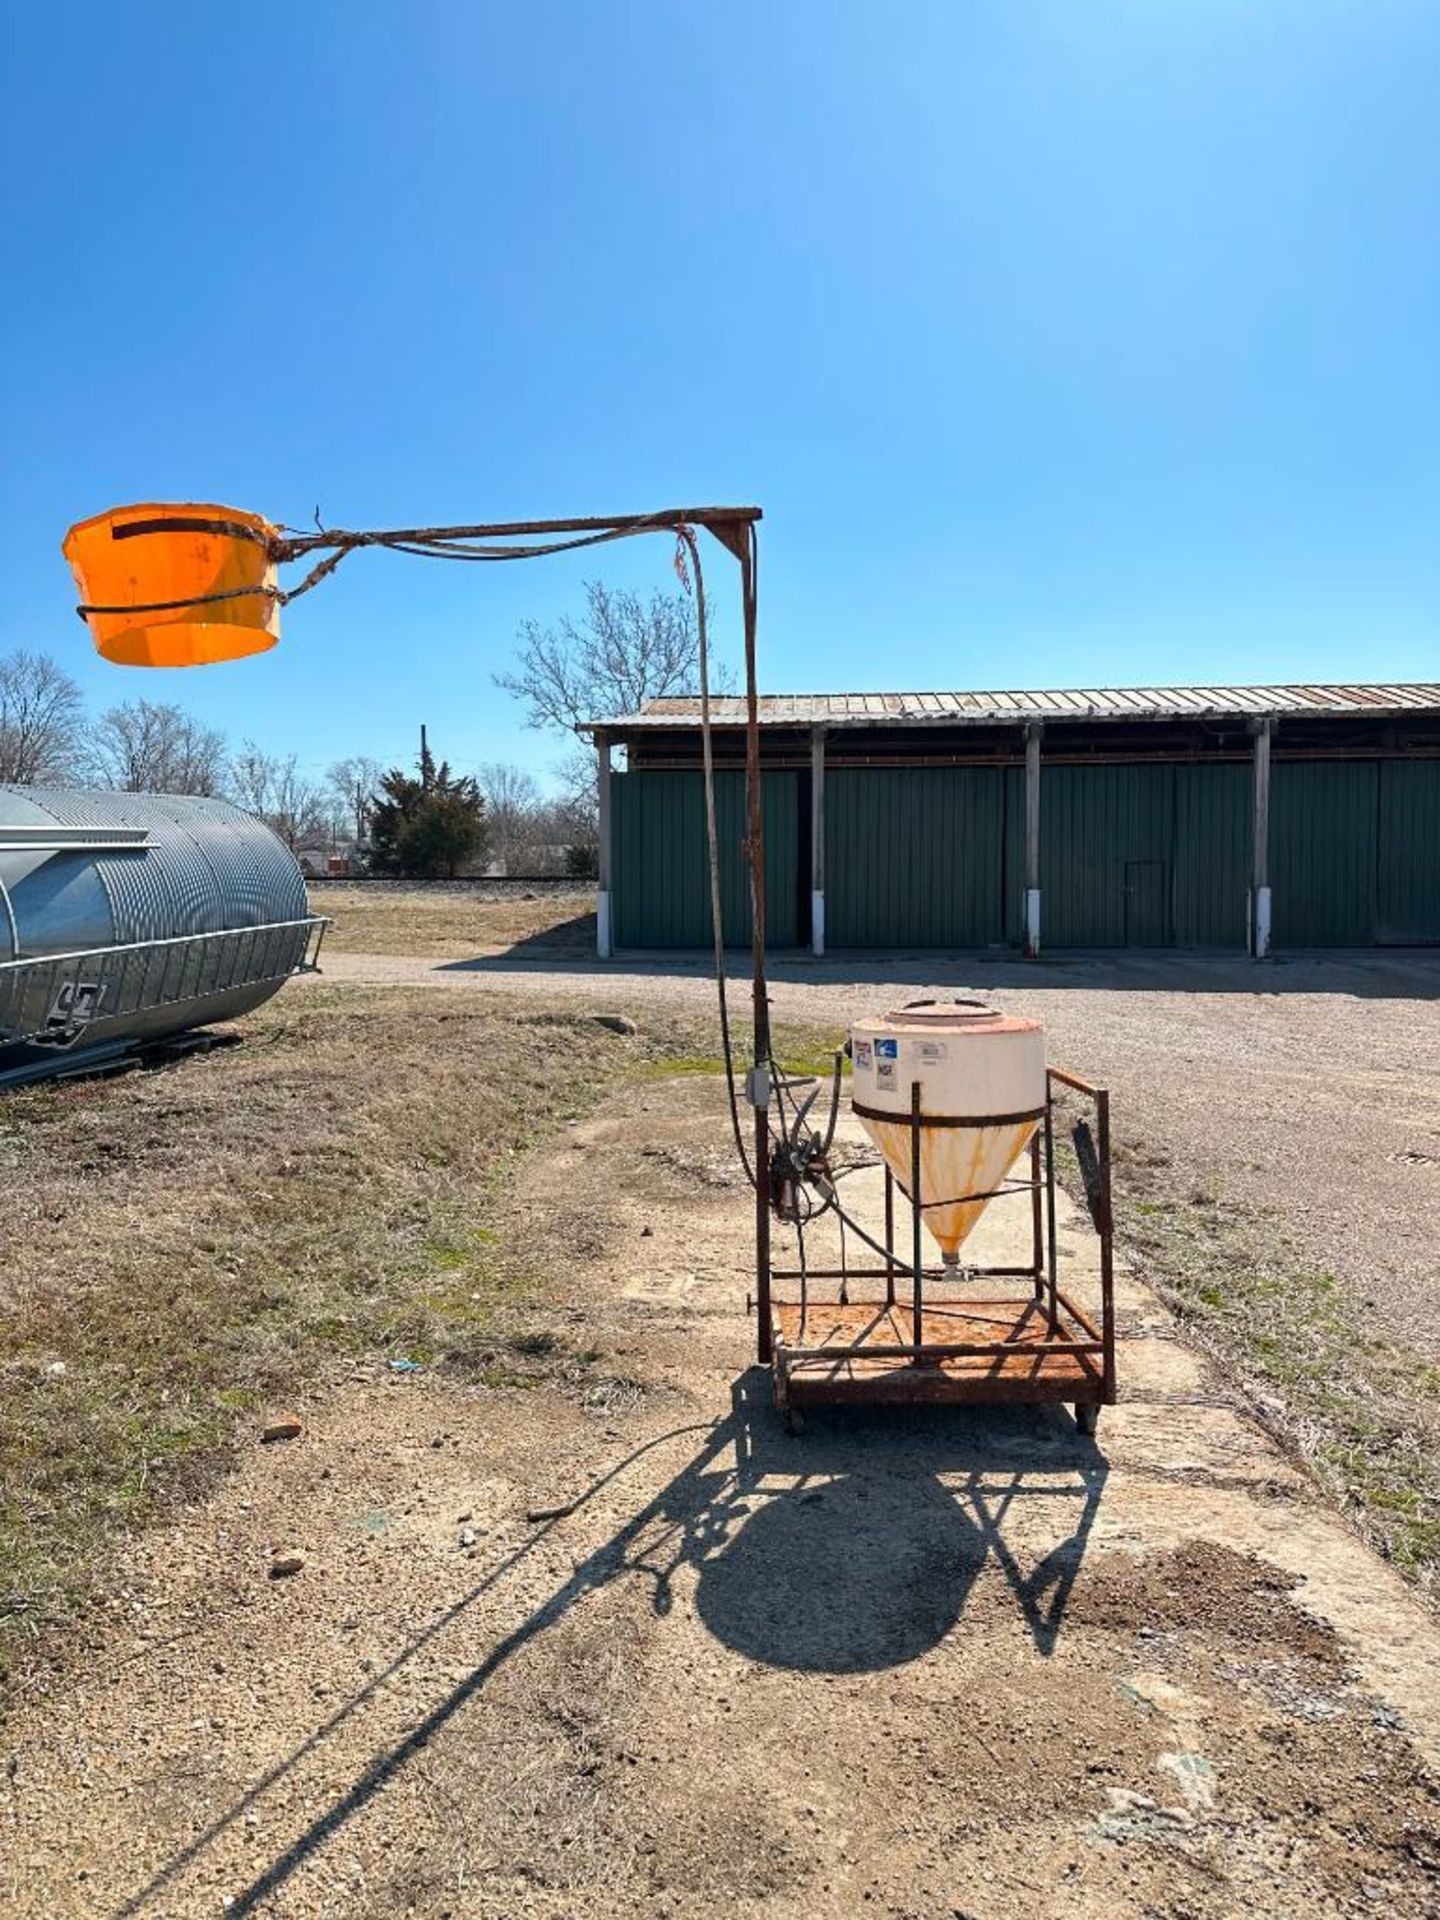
(862, 1055)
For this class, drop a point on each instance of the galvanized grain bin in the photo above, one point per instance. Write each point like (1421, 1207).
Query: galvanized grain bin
(126, 919)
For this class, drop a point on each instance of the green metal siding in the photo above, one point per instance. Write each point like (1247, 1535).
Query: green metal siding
(914, 857)
(1408, 904)
(660, 873)
(1323, 852)
(1015, 855)
(1355, 852)
(1149, 855)
(1212, 855)
(1097, 826)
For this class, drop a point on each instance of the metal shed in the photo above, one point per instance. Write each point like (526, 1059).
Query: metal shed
(1220, 818)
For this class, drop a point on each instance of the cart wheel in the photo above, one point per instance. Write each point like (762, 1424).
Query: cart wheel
(1087, 1417)
(794, 1420)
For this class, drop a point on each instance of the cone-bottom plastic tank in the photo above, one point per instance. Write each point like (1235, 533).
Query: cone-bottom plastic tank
(980, 1077)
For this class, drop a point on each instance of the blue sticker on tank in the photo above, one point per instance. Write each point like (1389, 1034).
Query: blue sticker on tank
(887, 1049)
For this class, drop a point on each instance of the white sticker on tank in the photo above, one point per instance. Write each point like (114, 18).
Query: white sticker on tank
(885, 1073)
(862, 1056)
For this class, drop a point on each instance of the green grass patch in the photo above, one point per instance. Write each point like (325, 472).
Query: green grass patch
(798, 1050)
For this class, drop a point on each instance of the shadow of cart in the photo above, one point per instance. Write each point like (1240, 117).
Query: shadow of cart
(853, 1550)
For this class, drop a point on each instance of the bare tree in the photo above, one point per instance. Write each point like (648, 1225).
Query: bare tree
(276, 791)
(621, 653)
(146, 746)
(353, 785)
(41, 720)
(577, 776)
(512, 809)
(570, 831)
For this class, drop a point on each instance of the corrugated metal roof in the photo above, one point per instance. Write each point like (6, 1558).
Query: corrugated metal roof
(1073, 703)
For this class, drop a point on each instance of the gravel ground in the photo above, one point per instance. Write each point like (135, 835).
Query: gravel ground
(1277, 1136)
(617, 1646)
(1305, 1090)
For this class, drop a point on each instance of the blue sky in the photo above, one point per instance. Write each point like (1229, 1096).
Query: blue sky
(1064, 343)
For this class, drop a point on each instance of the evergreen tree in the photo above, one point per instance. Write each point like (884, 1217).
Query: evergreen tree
(427, 828)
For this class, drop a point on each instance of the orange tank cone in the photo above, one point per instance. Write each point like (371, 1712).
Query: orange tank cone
(176, 585)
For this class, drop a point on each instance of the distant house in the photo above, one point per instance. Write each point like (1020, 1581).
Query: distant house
(319, 861)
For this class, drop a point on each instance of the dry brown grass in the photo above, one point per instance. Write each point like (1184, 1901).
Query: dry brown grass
(436, 924)
(193, 1244)
(1360, 1411)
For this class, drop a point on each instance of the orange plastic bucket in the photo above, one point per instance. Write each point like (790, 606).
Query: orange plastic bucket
(176, 585)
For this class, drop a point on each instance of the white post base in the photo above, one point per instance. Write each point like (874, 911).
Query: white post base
(817, 925)
(1260, 922)
(604, 945)
(1032, 923)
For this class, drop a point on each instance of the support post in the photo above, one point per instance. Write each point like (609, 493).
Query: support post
(1031, 916)
(817, 842)
(1037, 1215)
(1051, 1248)
(1107, 1246)
(889, 1236)
(917, 1298)
(604, 938)
(759, 989)
(1260, 843)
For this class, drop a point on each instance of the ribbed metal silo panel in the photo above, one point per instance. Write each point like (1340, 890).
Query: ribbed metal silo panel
(209, 866)
(264, 883)
(73, 807)
(195, 865)
(148, 903)
(161, 936)
(172, 889)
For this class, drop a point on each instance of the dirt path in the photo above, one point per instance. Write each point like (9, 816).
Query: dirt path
(1307, 1092)
(915, 1666)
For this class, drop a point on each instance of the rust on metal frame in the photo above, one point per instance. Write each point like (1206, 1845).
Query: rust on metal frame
(725, 523)
(1041, 1346)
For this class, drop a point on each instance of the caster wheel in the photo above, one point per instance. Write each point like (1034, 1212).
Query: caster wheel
(1087, 1418)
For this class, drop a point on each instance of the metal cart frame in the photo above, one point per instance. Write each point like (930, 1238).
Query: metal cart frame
(1037, 1345)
